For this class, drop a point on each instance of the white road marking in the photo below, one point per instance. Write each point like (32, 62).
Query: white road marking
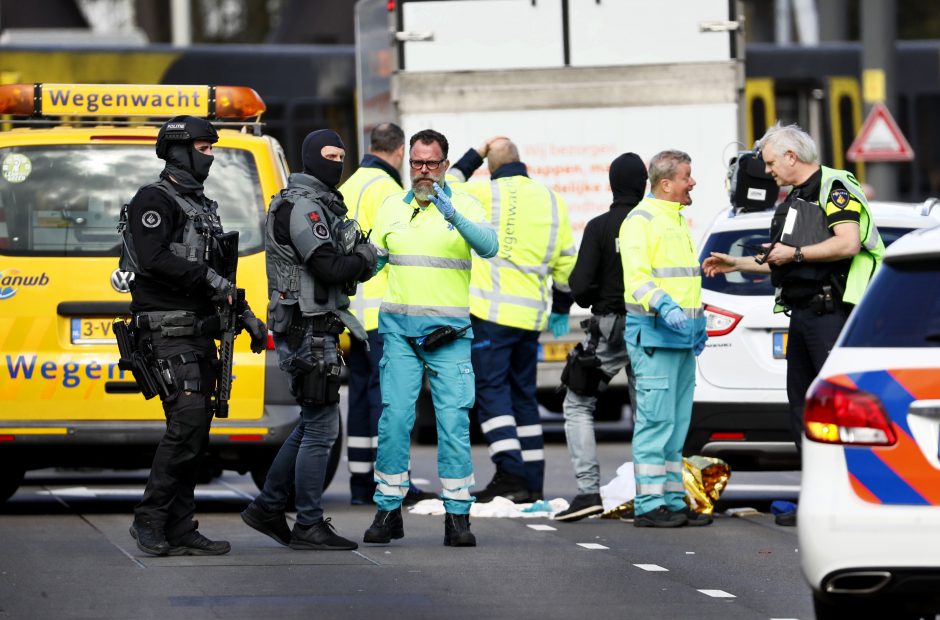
(717, 593)
(690, 553)
(135, 492)
(780, 488)
(652, 567)
(592, 546)
(538, 527)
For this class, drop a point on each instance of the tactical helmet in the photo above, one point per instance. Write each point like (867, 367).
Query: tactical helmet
(184, 129)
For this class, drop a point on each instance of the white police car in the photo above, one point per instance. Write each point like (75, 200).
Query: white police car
(869, 510)
(740, 411)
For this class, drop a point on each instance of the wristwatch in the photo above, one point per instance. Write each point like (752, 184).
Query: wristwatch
(798, 255)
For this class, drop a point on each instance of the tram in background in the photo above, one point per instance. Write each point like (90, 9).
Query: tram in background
(820, 89)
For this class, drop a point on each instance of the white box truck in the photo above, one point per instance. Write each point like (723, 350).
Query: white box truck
(574, 83)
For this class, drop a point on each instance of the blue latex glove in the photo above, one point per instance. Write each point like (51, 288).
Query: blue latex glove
(442, 202)
(676, 319)
(558, 323)
(697, 349)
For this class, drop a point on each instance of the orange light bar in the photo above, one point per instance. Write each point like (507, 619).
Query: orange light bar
(16, 99)
(151, 100)
(237, 102)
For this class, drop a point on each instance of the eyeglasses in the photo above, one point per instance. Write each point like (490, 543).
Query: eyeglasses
(432, 164)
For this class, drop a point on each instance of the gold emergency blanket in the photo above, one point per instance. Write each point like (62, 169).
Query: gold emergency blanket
(704, 478)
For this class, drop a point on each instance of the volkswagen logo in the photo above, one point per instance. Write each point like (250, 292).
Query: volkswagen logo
(121, 280)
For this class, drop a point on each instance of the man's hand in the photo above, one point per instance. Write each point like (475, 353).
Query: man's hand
(371, 255)
(676, 319)
(442, 202)
(256, 329)
(697, 349)
(222, 287)
(718, 263)
(558, 323)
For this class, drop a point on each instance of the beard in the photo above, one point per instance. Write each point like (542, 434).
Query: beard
(423, 187)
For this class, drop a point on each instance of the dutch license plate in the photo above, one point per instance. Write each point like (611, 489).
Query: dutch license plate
(555, 351)
(780, 345)
(92, 331)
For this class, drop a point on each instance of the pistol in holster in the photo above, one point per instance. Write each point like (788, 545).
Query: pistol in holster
(152, 375)
(316, 381)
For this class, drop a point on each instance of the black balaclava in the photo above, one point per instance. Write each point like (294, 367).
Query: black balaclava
(315, 164)
(627, 180)
(189, 167)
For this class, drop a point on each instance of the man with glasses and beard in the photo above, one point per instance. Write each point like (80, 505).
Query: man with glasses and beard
(425, 322)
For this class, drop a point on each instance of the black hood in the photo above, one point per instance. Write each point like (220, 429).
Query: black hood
(627, 180)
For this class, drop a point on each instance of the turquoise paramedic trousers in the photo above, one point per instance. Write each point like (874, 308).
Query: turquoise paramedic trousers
(665, 383)
(452, 391)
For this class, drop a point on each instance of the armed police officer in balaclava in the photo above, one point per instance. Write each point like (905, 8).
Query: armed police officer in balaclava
(172, 235)
(315, 257)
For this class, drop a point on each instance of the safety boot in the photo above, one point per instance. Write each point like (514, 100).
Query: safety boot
(150, 538)
(694, 518)
(387, 525)
(457, 531)
(660, 517)
(504, 485)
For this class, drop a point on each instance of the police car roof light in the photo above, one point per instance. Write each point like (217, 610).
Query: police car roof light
(137, 100)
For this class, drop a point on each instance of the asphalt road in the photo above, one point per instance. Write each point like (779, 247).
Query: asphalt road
(66, 553)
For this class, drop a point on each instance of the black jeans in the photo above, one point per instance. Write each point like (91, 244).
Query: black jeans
(168, 500)
(810, 340)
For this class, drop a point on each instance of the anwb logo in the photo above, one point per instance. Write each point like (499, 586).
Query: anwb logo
(11, 280)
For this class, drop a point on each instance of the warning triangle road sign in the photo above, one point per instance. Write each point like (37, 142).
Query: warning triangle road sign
(880, 139)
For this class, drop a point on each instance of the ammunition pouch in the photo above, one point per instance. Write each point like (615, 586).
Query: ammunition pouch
(582, 373)
(300, 325)
(178, 323)
(315, 382)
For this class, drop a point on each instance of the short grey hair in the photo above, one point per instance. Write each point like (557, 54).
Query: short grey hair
(783, 138)
(665, 164)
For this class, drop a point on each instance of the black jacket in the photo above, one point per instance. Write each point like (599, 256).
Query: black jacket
(176, 283)
(597, 278)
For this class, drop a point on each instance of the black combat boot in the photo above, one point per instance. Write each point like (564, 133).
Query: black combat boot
(386, 526)
(504, 485)
(457, 531)
(150, 538)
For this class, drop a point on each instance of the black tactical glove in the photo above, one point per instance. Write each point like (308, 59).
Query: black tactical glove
(255, 328)
(371, 255)
(223, 289)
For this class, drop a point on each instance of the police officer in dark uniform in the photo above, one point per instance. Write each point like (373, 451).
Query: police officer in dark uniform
(315, 257)
(171, 231)
(824, 250)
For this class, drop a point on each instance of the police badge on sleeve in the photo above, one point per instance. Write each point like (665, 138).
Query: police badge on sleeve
(150, 219)
(840, 197)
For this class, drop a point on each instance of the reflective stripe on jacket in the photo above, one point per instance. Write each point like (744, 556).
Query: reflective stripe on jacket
(535, 242)
(364, 192)
(428, 264)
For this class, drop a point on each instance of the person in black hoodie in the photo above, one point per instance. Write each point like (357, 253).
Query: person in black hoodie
(597, 282)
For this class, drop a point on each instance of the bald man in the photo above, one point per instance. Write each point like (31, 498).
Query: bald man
(509, 308)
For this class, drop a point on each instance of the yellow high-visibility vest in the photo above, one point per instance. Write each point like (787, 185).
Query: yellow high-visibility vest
(535, 243)
(428, 264)
(659, 258)
(364, 192)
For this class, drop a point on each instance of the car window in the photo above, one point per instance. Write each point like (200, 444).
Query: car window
(65, 200)
(737, 243)
(745, 243)
(902, 309)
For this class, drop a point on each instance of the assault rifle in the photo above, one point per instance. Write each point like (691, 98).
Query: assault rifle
(226, 264)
